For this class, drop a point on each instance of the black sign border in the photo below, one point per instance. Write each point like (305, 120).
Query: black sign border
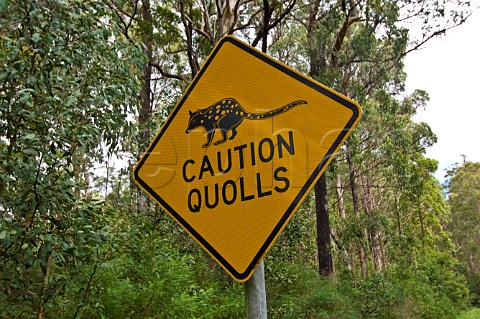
(303, 191)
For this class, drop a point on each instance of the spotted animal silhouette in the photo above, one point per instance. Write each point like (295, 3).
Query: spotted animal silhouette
(226, 115)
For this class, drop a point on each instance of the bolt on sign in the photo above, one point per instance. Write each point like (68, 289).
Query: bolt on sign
(241, 150)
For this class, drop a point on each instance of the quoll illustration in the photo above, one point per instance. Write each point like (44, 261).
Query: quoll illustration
(226, 115)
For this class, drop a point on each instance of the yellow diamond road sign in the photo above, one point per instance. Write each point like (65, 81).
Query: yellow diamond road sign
(241, 150)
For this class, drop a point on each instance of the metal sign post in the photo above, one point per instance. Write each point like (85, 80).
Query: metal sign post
(255, 296)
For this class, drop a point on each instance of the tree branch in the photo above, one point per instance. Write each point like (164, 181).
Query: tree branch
(434, 34)
(194, 66)
(200, 31)
(249, 22)
(235, 14)
(166, 74)
(119, 11)
(283, 15)
(87, 289)
(352, 17)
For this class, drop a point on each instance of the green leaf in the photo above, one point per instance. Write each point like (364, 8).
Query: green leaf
(36, 37)
(30, 151)
(31, 136)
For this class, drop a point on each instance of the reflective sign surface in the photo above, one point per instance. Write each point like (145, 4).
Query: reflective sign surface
(241, 150)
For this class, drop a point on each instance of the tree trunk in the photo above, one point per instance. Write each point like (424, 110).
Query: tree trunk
(187, 24)
(145, 112)
(397, 215)
(46, 279)
(341, 201)
(374, 237)
(325, 263)
(317, 60)
(342, 213)
(226, 17)
(360, 234)
(420, 218)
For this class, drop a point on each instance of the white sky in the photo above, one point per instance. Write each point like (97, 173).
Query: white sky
(448, 69)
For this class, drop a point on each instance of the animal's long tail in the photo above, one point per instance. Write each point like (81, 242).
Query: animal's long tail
(280, 110)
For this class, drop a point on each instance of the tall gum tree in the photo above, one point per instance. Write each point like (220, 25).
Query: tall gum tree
(67, 85)
(464, 202)
(357, 47)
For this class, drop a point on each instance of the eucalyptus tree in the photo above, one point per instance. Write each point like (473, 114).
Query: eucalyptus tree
(67, 85)
(464, 201)
(357, 48)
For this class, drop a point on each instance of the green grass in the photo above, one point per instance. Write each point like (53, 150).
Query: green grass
(471, 314)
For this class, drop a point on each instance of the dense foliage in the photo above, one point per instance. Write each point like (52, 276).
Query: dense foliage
(464, 200)
(83, 84)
